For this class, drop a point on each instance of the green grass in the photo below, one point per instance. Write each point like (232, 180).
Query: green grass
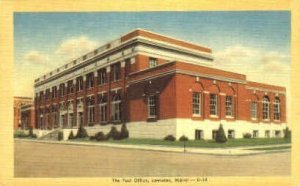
(197, 143)
(272, 148)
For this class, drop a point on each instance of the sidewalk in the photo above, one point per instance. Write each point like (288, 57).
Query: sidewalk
(229, 151)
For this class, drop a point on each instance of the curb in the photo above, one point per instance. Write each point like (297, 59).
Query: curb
(235, 151)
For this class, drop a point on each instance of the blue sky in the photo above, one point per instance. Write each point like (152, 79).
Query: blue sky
(241, 41)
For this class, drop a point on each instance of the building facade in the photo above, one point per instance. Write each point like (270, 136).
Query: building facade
(158, 86)
(18, 103)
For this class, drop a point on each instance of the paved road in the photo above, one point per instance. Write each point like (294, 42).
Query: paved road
(56, 160)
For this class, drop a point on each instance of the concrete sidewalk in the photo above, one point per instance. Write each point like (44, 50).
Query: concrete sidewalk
(229, 151)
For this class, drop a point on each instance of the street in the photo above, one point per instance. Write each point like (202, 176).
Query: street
(56, 160)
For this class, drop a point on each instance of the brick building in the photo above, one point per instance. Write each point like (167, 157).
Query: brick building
(158, 86)
(27, 116)
(18, 103)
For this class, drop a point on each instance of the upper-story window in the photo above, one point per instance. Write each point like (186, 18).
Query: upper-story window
(54, 92)
(102, 77)
(228, 106)
(70, 87)
(152, 62)
(213, 104)
(266, 108)
(116, 71)
(47, 94)
(152, 106)
(196, 103)
(254, 110)
(90, 80)
(62, 90)
(276, 109)
(41, 95)
(79, 83)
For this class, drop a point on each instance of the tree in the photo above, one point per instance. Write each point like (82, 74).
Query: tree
(81, 133)
(71, 136)
(113, 133)
(221, 138)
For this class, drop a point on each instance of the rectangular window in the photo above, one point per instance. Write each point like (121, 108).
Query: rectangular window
(213, 104)
(152, 106)
(267, 134)
(116, 111)
(199, 134)
(196, 103)
(253, 110)
(70, 87)
(79, 83)
(231, 134)
(102, 76)
(54, 92)
(116, 71)
(276, 109)
(90, 80)
(47, 94)
(152, 62)
(255, 134)
(228, 105)
(103, 108)
(214, 134)
(62, 89)
(277, 133)
(91, 114)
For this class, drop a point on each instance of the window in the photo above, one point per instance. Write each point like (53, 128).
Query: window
(91, 109)
(266, 108)
(152, 106)
(90, 80)
(255, 134)
(199, 134)
(79, 83)
(214, 134)
(152, 62)
(231, 134)
(116, 71)
(277, 133)
(276, 109)
(213, 101)
(103, 108)
(116, 108)
(228, 106)
(54, 92)
(267, 134)
(102, 76)
(254, 110)
(47, 94)
(196, 103)
(62, 89)
(41, 95)
(70, 87)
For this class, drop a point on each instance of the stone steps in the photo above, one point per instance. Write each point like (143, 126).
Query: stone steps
(53, 136)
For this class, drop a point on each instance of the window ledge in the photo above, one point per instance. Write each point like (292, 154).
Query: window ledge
(213, 116)
(196, 115)
(229, 117)
(254, 119)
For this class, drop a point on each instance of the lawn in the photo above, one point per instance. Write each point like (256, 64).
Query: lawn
(198, 143)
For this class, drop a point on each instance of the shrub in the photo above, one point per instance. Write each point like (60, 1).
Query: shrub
(20, 134)
(71, 135)
(34, 136)
(169, 138)
(81, 132)
(114, 133)
(183, 138)
(221, 138)
(287, 133)
(60, 136)
(100, 136)
(247, 135)
(124, 132)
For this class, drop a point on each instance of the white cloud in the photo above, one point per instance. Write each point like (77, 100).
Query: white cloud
(261, 66)
(76, 46)
(36, 57)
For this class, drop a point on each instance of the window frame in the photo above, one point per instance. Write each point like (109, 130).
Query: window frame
(153, 62)
(253, 110)
(266, 108)
(229, 106)
(152, 106)
(213, 105)
(196, 104)
(276, 111)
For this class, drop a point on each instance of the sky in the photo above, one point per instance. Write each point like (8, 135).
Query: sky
(254, 43)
